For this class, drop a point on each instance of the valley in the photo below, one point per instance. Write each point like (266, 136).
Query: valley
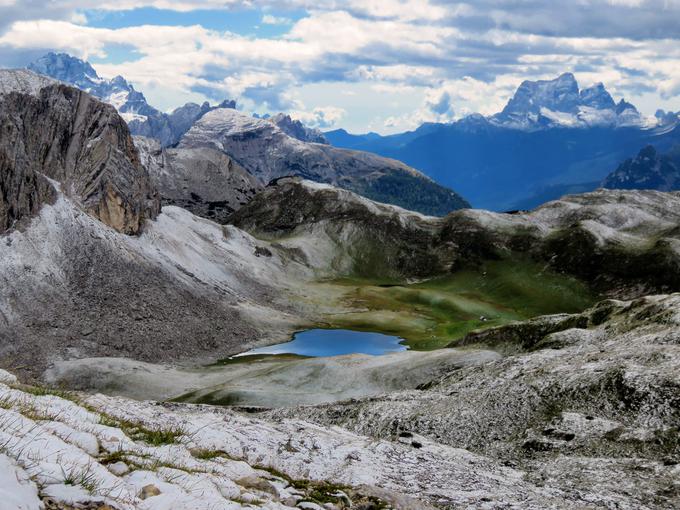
(433, 313)
(467, 359)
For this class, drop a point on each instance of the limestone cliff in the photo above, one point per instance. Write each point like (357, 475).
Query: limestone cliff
(50, 130)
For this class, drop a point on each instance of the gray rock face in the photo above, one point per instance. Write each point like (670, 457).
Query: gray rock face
(648, 170)
(64, 134)
(265, 151)
(22, 189)
(297, 129)
(589, 407)
(22, 193)
(205, 181)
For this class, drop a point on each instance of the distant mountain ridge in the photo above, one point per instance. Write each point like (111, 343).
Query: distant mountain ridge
(142, 118)
(551, 137)
(648, 170)
(211, 147)
(268, 152)
(559, 102)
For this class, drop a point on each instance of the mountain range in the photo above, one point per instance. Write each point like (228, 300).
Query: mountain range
(106, 297)
(142, 118)
(266, 148)
(551, 137)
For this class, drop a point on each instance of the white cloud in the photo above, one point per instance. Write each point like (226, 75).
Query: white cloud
(340, 32)
(405, 10)
(322, 117)
(268, 19)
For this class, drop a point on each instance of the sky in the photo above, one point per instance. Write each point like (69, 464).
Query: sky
(364, 65)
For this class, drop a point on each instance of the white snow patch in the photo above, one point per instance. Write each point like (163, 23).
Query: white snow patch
(17, 491)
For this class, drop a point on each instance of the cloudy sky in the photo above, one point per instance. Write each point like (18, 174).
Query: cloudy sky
(380, 65)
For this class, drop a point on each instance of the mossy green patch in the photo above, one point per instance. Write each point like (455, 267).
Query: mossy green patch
(431, 314)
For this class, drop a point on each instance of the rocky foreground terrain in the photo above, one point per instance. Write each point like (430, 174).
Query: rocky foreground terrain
(102, 290)
(582, 414)
(586, 405)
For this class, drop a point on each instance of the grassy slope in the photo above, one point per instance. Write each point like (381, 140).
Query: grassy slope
(431, 314)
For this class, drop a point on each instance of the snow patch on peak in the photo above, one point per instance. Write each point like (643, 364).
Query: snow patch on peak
(560, 103)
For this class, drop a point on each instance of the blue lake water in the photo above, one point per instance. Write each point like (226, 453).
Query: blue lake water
(333, 342)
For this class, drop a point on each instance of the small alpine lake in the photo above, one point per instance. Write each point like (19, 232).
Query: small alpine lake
(331, 342)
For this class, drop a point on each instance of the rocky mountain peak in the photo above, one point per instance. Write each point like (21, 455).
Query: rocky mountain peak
(58, 132)
(597, 97)
(559, 102)
(296, 129)
(66, 68)
(142, 118)
(648, 170)
(263, 149)
(560, 94)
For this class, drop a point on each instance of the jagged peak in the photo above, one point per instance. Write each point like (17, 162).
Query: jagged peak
(296, 129)
(597, 97)
(624, 105)
(62, 63)
(544, 103)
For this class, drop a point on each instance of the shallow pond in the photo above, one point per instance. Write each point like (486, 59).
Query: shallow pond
(333, 342)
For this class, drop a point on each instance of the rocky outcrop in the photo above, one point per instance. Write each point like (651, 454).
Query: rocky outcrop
(58, 132)
(648, 170)
(621, 242)
(267, 152)
(297, 129)
(205, 181)
(594, 393)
